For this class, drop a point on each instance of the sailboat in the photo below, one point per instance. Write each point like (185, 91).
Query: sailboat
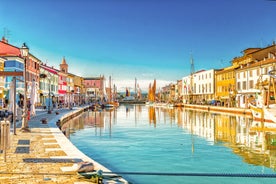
(111, 103)
(151, 93)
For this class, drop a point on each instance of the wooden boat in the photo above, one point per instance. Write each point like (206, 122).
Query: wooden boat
(267, 114)
(264, 108)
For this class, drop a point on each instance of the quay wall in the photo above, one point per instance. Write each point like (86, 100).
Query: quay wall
(231, 110)
(69, 148)
(72, 114)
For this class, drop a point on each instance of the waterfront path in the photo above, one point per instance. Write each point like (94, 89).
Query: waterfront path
(44, 155)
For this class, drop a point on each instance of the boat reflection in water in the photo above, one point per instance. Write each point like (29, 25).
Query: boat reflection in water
(253, 142)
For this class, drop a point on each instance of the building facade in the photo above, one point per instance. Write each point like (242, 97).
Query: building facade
(94, 88)
(48, 85)
(225, 86)
(63, 96)
(254, 67)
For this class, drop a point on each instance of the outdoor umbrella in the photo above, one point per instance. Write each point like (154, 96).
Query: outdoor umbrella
(11, 96)
(33, 97)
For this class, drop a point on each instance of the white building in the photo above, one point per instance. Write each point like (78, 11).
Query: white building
(255, 69)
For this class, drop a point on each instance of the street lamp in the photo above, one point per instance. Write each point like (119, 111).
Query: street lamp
(24, 53)
(44, 76)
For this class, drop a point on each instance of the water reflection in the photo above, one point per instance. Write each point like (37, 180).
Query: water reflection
(254, 142)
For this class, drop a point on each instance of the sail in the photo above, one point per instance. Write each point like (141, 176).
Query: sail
(153, 90)
(149, 93)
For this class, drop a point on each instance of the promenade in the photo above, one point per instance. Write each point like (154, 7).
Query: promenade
(44, 155)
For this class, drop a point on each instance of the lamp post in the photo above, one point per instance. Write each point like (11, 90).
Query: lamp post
(44, 76)
(24, 53)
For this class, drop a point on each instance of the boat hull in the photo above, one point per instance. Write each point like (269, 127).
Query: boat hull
(263, 114)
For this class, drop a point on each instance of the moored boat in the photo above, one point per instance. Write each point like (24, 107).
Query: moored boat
(264, 107)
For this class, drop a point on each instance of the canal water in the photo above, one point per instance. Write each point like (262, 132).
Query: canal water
(147, 140)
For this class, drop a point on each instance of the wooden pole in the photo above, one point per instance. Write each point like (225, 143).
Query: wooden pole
(268, 96)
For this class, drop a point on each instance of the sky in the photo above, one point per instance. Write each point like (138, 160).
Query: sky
(142, 39)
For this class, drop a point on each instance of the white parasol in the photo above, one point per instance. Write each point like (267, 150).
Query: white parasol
(11, 96)
(33, 97)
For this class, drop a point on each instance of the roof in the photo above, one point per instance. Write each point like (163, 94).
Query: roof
(8, 50)
(49, 69)
(92, 78)
(63, 61)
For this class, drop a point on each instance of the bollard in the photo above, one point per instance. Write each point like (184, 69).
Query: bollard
(5, 137)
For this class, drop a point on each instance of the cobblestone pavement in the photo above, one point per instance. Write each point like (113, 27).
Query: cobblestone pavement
(37, 157)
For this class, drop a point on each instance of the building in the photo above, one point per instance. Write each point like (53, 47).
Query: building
(63, 96)
(178, 91)
(48, 85)
(71, 88)
(187, 89)
(94, 88)
(13, 61)
(203, 86)
(2, 83)
(78, 90)
(253, 69)
(225, 86)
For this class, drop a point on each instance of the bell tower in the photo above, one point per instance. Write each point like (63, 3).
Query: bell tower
(63, 66)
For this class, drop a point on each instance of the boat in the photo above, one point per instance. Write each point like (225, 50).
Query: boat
(151, 94)
(267, 114)
(263, 108)
(111, 103)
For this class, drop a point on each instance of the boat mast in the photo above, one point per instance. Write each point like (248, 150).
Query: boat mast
(192, 71)
(135, 89)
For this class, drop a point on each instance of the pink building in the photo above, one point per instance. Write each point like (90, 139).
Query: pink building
(94, 88)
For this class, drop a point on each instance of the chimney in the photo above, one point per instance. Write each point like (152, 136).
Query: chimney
(4, 40)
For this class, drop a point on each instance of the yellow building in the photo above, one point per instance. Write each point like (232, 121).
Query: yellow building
(70, 86)
(225, 86)
(78, 89)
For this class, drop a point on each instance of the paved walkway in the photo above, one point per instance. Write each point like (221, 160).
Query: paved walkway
(44, 155)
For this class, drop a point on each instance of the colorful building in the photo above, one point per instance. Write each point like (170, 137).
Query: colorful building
(225, 86)
(78, 90)
(94, 88)
(63, 97)
(48, 86)
(253, 68)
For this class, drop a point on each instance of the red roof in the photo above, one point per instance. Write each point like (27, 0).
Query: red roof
(52, 70)
(8, 50)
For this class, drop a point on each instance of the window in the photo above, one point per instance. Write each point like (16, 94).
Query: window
(265, 70)
(239, 85)
(199, 88)
(251, 84)
(250, 73)
(244, 85)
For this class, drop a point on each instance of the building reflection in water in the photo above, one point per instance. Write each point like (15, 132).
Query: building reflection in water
(254, 142)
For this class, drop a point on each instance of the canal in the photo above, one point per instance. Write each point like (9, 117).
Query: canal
(213, 147)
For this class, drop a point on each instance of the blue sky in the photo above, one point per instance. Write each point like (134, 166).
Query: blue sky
(146, 39)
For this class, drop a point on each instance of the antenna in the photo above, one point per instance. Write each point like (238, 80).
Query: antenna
(7, 33)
